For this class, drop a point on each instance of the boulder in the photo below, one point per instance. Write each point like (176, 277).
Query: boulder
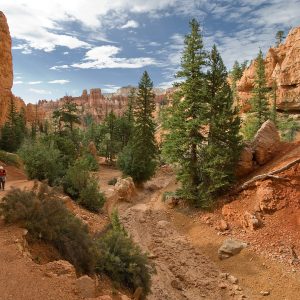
(266, 142)
(86, 287)
(230, 248)
(125, 189)
(60, 268)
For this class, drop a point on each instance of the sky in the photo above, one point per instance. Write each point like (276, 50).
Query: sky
(64, 46)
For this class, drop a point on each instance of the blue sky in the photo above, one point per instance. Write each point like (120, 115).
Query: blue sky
(62, 47)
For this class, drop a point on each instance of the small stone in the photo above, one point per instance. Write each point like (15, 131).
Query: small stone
(222, 286)
(265, 293)
(232, 279)
(224, 275)
(176, 285)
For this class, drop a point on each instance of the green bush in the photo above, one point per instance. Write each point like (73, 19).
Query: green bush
(122, 260)
(90, 162)
(249, 127)
(76, 179)
(48, 219)
(288, 128)
(91, 198)
(42, 161)
(10, 159)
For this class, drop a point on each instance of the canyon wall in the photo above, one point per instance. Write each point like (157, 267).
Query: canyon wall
(282, 66)
(6, 71)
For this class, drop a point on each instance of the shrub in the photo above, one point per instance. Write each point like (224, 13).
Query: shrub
(249, 127)
(48, 219)
(122, 260)
(91, 198)
(42, 161)
(288, 128)
(76, 178)
(112, 181)
(91, 162)
(10, 158)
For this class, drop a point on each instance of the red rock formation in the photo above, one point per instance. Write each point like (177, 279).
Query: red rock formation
(6, 72)
(282, 66)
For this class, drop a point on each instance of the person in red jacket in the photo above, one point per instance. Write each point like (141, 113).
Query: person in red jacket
(2, 178)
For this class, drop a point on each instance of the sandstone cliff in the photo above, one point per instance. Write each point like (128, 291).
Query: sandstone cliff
(6, 71)
(282, 66)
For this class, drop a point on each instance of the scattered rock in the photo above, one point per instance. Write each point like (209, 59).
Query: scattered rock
(250, 221)
(265, 293)
(266, 142)
(176, 285)
(59, 268)
(86, 286)
(232, 279)
(223, 226)
(230, 248)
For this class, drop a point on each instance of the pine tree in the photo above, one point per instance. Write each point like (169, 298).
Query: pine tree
(138, 157)
(279, 37)
(273, 115)
(259, 101)
(186, 120)
(220, 156)
(69, 113)
(14, 129)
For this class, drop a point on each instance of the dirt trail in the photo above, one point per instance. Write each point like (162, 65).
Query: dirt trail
(184, 249)
(182, 271)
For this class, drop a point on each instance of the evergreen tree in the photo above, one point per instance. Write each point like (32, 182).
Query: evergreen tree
(220, 156)
(273, 115)
(69, 113)
(138, 157)
(259, 102)
(14, 129)
(187, 118)
(110, 142)
(279, 37)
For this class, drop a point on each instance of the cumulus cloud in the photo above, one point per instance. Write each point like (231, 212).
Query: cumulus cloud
(130, 24)
(48, 18)
(40, 91)
(59, 67)
(34, 82)
(104, 57)
(59, 81)
(110, 88)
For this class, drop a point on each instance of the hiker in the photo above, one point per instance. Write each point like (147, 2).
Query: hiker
(2, 177)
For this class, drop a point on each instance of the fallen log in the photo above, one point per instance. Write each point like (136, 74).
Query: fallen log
(267, 175)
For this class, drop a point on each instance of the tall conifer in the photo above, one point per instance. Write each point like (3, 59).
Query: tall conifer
(138, 157)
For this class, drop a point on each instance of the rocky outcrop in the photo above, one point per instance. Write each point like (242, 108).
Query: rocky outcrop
(6, 72)
(266, 142)
(282, 66)
(261, 150)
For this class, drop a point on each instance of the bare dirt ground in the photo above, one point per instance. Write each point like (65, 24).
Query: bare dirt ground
(182, 243)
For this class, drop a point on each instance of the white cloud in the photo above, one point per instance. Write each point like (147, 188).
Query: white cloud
(34, 82)
(130, 24)
(110, 88)
(24, 47)
(40, 24)
(104, 57)
(18, 82)
(40, 91)
(59, 81)
(154, 44)
(66, 53)
(59, 67)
